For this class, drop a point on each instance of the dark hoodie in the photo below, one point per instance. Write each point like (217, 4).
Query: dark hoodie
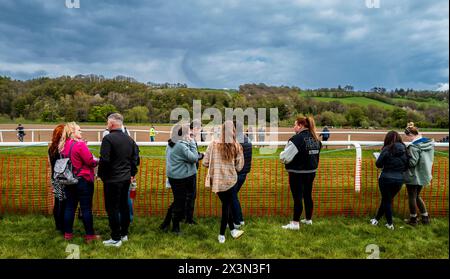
(394, 161)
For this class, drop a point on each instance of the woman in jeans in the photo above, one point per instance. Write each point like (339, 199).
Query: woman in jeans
(58, 191)
(301, 159)
(72, 145)
(224, 158)
(418, 175)
(181, 171)
(393, 161)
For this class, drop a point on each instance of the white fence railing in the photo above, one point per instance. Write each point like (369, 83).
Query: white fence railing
(256, 134)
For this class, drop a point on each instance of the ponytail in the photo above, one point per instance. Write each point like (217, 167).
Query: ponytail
(308, 122)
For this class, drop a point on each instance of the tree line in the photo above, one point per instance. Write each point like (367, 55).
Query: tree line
(89, 98)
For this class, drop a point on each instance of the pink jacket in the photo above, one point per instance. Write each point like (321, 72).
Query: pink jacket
(82, 158)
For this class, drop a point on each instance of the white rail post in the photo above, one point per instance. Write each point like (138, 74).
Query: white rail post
(32, 136)
(134, 135)
(98, 136)
(349, 138)
(358, 167)
(1, 136)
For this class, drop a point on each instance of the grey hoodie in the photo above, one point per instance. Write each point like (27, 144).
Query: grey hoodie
(421, 154)
(180, 159)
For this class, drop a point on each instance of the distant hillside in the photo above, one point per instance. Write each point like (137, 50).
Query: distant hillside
(89, 98)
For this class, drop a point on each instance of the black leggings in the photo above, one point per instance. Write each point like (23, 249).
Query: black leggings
(389, 188)
(414, 200)
(301, 185)
(226, 198)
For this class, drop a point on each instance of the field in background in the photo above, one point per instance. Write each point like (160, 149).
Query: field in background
(31, 236)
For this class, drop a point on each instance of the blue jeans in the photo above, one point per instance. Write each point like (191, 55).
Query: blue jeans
(82, 193)
(152, 138)
(235, 204)
(130, 204)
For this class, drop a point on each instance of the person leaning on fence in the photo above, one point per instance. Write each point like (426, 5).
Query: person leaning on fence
(224, 158)
(152, 134)
(74, 147)
(117, 169)
(58, 191)
(301, 159)
(242, 174)
(393, 161)
(419, 173)
(181, 170)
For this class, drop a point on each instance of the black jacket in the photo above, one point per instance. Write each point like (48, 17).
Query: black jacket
(393, 161)
(307, 158)
(247, 148)
(119, 157)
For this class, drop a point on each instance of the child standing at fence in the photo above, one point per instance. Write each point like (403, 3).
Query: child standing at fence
(393, 161)
(418, 175)
(224, 158)
(301, 159)
(72, 145)
(181, 170)
(58, 191)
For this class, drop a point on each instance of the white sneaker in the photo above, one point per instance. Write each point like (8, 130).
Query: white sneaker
(237, 226)
(125, 238)
(242, 223)
(292, 226)
(236, 233)
(306, 222)
(391, 226)
(221, 238)
(111, 242)
(374, 222)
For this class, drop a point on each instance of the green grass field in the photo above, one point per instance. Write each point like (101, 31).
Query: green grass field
(33, 236)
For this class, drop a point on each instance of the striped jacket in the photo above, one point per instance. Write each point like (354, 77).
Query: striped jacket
(222, 175)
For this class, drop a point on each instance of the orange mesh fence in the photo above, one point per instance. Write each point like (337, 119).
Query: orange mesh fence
(25, 188)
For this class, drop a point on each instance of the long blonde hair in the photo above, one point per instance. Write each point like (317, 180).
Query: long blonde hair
(68, 133)
(228, 146)
(308, 123)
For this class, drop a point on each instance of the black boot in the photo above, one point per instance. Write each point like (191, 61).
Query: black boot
(426, 220)
(412, 221)
(176, 227)
(166, 223)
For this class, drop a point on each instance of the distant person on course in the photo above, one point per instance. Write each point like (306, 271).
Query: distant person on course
(20, 132)
(325, 134)
(152, 134)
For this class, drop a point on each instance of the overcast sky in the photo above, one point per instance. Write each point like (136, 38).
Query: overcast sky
(222, 44)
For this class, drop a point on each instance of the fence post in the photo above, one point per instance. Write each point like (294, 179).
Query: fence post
(1, 136)
(135, 136)
(358, 167)
(349, 138)
(98, 136)
(32, 136)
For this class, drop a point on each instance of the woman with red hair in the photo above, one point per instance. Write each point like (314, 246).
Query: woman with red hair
(58, 191)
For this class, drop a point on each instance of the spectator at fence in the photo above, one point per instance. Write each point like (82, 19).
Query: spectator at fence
(191, 190)
(393, 161)
(58, 191)
(20, 132)
(419, 173)
(224, 158)
(261, 133)
(74, 147)
(301, 159)
(250, 133)
(242, 175)
(117, 169)
(325, 134)
(181, 170)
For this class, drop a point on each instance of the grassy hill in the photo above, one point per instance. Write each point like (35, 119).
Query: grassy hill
(362, 101)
